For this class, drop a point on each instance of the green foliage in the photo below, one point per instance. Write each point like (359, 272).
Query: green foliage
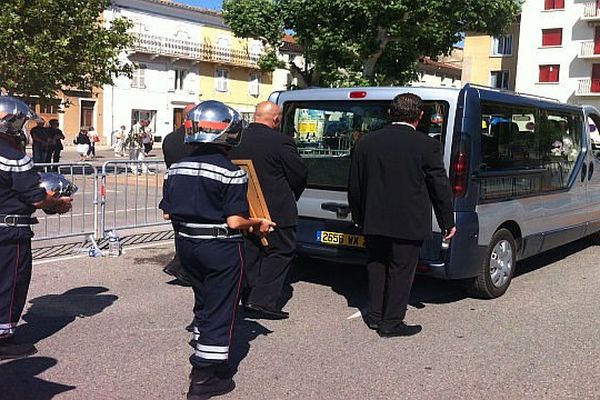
(46, 45)
(369, 42)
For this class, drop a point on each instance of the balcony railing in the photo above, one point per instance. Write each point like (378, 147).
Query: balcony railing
(588, 50)
(191, 50)
(591, 11)
(588, 87)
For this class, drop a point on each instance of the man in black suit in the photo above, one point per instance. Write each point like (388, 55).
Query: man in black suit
(396, 174)
(174, 149)
(282, 176)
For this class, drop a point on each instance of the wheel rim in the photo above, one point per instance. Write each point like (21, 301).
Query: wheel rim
(501, 263)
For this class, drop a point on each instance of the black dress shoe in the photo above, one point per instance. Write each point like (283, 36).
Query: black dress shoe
(400, 329)
(265, 313)
(206, 383)
(372, 323)
(9, 349)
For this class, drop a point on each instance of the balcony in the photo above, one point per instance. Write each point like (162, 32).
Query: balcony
(589, 50)
(591, 12)
(192, 50)
(588, 87)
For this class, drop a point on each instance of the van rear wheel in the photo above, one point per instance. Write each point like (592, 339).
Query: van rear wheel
(498, 267)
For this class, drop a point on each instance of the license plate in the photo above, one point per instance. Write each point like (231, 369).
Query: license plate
(340, 239)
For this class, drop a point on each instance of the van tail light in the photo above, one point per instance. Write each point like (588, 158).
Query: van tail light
(458, 174)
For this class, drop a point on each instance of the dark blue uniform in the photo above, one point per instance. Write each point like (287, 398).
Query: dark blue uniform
(19, 190)
(200, 192)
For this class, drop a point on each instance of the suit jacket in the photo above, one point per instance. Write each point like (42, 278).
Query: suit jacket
(174, 148)
(281, 171)
(396, 175)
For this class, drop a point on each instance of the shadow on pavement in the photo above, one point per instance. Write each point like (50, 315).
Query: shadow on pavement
(19, 382)
(350, 281)
(551, 256)
(245, 332)
(50, 313)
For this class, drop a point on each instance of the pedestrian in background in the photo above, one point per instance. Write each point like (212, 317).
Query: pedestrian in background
(20, 196)
(174, 149)
(205, 197)
(82, 143)
(396, 174)
(147, 140)
(135, 146)
(93, 135)
(40, 142)
(282, 176)
(119, 141)
(56, 137)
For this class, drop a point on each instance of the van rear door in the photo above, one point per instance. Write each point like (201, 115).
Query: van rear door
(325, 131)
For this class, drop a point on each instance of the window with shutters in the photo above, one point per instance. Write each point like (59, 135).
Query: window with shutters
(221, 79)
(180, 75)
(254, 84)
(255, 52)
(549, 73)
(499, 79)
(552, 37)
(502, 46)
(554, 4)
(138, 80)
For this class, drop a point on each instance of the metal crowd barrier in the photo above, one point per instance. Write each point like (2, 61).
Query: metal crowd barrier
(82, 221)
(130, 192)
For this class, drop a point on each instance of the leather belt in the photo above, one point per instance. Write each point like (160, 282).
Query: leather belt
(17, 220)
(205, 231)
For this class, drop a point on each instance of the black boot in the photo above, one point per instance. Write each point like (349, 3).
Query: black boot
(9, 349)
(204, 384)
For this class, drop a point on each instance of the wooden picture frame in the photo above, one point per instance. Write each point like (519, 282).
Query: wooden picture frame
(256, 199)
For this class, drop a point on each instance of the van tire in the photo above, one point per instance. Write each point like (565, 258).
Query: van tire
(495, 276)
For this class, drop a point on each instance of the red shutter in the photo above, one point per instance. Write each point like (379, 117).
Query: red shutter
(544, 72)
(552, 37)
(554, 4)
(553, 73)
(548, 4)
(559, 4)
(595, 78)
(549, 73)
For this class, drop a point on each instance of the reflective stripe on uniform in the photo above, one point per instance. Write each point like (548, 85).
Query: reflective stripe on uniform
(209, 171)
(7, 329)
(22, 165)
(239, 235)
(212, 352)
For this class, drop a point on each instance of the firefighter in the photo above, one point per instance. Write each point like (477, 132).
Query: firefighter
(20, 195)
(205, 198)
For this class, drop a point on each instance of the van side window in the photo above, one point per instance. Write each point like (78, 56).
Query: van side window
(326, 131)
(525, 150)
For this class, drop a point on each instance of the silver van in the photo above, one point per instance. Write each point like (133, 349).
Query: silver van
(522, 170)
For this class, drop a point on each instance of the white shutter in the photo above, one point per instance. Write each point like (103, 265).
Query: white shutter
(254, 85)
(171, 80)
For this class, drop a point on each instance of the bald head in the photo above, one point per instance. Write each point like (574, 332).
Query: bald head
(268, 113)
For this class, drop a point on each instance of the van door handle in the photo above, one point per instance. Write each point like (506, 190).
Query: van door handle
(590, 170)
(341, 210)
(584, 171)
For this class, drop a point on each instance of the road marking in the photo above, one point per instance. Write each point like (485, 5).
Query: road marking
(357, 314)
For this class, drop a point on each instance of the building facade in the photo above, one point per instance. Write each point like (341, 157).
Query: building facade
(492, 61)
(561, 56)
(182, 55)
(446, 71)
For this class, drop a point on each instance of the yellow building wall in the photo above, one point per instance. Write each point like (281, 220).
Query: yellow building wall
(72, 116)
(238, 93)
(478, 61)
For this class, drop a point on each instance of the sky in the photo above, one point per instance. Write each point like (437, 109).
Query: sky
(212, 4)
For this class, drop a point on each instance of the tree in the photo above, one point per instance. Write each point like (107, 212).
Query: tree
(365, 42)
(47, 45)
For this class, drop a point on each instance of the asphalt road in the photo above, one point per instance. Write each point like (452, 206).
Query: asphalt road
(113, 328)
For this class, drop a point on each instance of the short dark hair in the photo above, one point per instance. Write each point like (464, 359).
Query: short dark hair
(406, 107)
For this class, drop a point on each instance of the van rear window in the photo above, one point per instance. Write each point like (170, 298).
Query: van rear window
(325, 132)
